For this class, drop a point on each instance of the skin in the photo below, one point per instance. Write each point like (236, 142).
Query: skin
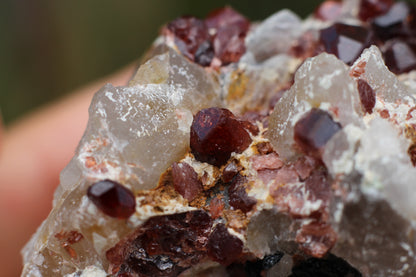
(33, 151)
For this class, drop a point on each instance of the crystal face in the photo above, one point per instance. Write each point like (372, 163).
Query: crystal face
(345, 41)
(112, 199)
(314, 130)
(247, 150)
(215, 134)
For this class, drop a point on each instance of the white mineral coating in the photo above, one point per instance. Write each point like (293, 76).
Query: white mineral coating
(321, 82)
(384, 83)
(134, 134)
(274, 35)
(383, 161)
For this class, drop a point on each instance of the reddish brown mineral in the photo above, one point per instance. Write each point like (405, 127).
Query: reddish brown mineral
(314, 130)
(224, 247)
(238, 195)
(372, 8)
(399, 21)
(215, 134)
(185, 181)
(400, 56)
(163, 246)
(345, 41)
(112, 198)
(367, 96)
(230, 29)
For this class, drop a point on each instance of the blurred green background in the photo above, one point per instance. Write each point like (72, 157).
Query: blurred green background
(50, 47)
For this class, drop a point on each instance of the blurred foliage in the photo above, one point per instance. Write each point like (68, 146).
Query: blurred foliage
(51, 47)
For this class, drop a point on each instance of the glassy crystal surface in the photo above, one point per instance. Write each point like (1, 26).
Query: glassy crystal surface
(241, 149)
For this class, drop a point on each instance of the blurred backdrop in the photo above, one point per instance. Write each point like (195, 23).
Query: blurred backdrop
(49, 47)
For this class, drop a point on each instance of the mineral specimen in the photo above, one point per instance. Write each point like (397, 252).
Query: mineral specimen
(241, 149)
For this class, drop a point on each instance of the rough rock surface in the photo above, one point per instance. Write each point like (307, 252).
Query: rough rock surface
(242, 149)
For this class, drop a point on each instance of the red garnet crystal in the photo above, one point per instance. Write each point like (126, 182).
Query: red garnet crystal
(367, 96)
(238, 195)
(229, 28)
(400, 56)
(189, 33)
(345, 41)
(185, 181)
(328, 10)
(112, 198)
(215, 134)
(371, 8)
(314, 130)
(224, 247)
(397, 22)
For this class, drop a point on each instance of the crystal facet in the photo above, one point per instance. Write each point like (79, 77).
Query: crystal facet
(112, 198)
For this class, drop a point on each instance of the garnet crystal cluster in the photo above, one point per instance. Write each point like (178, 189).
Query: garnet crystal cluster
(279, 148)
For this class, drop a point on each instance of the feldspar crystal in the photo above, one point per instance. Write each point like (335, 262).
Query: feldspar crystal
(279, 148)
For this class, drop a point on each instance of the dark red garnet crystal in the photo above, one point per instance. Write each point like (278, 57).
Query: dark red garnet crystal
(367, 96)
(220, 35)
(369, 9)
(185, 181)
(163, 246)
(215, 134)
(229, 30)
(345, 41)
(224, 247)
(112, 198)
(238, 195)
(314, 130)
(400, 55)
(399, 21)
(189, 33)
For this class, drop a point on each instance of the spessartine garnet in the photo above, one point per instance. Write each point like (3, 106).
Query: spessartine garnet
(367, 96)
(215, 134)
(112, 198)
(345, 41)
(399, 21)
(185, 181)
(369, 9)
(400, 56)
(224, 247)
(313, 131)
(189, 33)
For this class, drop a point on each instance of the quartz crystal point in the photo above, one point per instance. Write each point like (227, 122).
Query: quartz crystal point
(261, 155)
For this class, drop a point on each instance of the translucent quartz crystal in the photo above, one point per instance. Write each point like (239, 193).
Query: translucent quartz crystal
(127, 130)
(321, 82)
(303, 166)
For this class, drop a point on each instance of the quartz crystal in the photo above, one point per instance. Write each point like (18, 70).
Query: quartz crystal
(277, 148)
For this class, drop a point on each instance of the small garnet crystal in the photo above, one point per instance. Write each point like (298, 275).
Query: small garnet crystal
(189, 33)
(215, 134)
(399, 21)
(185, 181)
(345, 41)
(371, 8)
(400, 56)
(112, 198)
(367, 96)
(238, 195)
(314, 130)
(224, 247)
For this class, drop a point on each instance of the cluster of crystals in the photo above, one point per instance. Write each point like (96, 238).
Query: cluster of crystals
(391, 26)
(309, 171)
(219, 36)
